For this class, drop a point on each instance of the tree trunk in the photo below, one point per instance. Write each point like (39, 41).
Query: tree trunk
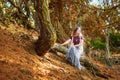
(58, 48)
(56, 18)
(107, 56)
(61, 35)
(47, 34)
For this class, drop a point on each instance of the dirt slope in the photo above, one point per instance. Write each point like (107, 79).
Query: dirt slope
(18, 61)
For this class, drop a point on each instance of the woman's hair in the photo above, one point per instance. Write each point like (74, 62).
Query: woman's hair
(77, 29)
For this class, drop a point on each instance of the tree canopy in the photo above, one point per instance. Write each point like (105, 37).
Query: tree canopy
(64, 16)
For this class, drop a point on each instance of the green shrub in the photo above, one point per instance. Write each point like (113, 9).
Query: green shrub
(98, 44)
(115, 40)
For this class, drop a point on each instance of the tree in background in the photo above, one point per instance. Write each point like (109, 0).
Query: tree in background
(17, 12)
(110, 12)
(47, 36)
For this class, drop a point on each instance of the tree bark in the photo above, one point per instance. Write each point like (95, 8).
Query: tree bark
(47, 34)
(61, 35)
(56, 18)
(58, 48)
(107, 55)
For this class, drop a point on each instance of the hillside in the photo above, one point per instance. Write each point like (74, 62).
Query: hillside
(19, 61)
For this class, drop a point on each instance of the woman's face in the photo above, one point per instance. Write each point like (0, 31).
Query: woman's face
(76, 33)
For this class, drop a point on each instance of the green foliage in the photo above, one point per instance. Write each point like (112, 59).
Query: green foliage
(115, 39)
(114, 42)
(98, 44)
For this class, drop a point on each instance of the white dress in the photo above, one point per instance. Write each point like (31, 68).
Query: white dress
(74, 54)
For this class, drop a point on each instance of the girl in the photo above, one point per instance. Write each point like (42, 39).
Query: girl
(76, 48)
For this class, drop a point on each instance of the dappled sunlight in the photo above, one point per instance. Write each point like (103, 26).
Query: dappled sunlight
(19, 61)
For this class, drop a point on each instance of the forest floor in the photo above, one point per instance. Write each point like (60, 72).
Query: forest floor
(19, 61)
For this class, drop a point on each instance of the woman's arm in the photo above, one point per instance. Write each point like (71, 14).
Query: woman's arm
(66, 42)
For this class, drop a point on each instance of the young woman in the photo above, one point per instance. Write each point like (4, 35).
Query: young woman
(76, 49)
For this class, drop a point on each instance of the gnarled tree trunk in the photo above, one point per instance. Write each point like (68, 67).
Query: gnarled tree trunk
(56, 18)
(47, 34)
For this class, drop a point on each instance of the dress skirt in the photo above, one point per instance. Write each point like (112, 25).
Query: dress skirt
(73, 55)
